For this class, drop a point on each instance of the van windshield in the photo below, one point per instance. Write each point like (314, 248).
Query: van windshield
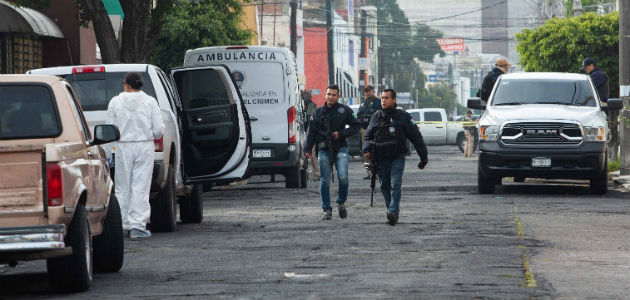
(543, 91)
(27, 111)
(95, 90)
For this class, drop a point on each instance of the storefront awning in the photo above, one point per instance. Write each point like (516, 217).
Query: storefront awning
(25, 20)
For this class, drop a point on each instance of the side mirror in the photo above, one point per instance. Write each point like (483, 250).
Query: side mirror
(612, 104)
(104, 134)
(475, 103)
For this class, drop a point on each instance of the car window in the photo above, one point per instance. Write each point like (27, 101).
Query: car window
(167, 88)
(201, 88)
(28, 111)
(415, 115)
(76, 109)
(95, 90)
(547, 91)
(432, 116)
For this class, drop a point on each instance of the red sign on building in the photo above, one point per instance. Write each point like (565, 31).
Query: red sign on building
(451, 44)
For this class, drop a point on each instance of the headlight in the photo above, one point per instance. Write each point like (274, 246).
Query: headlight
(489, 133)
(595, 134)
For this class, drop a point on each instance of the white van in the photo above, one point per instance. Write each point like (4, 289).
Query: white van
(268, 81)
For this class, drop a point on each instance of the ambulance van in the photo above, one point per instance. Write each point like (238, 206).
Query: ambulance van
(268, 81)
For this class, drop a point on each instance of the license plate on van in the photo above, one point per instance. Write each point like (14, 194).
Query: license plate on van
(541, 162)
(262, 153)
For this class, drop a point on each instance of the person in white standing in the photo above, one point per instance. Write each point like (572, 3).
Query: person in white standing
(139, 120)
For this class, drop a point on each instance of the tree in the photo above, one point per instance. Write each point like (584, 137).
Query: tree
(440, 95)
(141, 27)
(560, 45)
(192, 25)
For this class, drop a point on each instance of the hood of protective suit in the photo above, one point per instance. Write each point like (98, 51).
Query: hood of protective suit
(137, 116)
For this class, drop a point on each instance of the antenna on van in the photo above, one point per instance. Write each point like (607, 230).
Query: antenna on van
(70, 56)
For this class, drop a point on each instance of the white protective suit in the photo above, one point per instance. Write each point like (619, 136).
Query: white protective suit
(139, 120)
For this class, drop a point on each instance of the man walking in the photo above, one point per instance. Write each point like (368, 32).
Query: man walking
(501, 66)
(328, 133)
(385, 142)
(368, 107)
(599, 78)
(469, 131)
(310, 109)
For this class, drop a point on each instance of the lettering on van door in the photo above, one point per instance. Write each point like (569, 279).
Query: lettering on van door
(235, 56)
(260, 97)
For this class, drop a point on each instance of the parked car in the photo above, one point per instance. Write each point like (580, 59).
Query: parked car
(435, 128)
(268, 81)
(56, 195)
(543, 125)
(171, 183)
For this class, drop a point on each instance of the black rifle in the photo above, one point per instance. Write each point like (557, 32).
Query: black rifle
(373, 169)
(329, 143)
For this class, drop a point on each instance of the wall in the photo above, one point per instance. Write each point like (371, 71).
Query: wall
(316, 61)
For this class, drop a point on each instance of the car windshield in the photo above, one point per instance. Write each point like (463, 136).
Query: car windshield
(95, 90)
(543, 91)
(27, 111)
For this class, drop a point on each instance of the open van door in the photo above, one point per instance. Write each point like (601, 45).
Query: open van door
(216, 134)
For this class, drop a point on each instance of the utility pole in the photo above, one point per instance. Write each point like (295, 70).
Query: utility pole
(624, 84)
(363, 55)
(293, 5)
(329, 41)
(262, 11)
(577, 8)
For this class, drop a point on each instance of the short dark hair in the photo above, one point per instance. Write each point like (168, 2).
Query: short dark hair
(369, 88)
(391, 91)
(334, 87)
(134, 80)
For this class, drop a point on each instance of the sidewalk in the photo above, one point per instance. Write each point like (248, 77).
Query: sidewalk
(622, 183)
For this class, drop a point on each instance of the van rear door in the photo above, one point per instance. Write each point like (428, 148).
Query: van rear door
(216, 137)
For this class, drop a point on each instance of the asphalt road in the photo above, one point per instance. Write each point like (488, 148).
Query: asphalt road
(533, 240)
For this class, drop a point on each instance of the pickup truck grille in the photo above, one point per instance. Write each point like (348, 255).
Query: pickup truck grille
(535, 133)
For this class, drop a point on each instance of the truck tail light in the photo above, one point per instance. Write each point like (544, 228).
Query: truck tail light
(159, 144)
(54, 184)
(292, 124)
(88, 69)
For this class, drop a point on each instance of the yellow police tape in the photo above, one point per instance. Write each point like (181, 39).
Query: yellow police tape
(447, 122)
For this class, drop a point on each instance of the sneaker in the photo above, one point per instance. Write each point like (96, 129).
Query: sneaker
(343, 212)
(392, 219)
(138, 234)
(316, 177)
(327, 215)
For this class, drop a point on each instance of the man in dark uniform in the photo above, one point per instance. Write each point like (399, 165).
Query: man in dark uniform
(599, 78)
(385, 141)
(327, 131)
(501, 66)
(368, 107)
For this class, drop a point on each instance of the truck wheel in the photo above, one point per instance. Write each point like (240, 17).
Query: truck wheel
(599, 184)
(191, 207)
(461, 141)
(73, 273)
(109, 247)
(485, 185)
(163, 209)
(293, 177)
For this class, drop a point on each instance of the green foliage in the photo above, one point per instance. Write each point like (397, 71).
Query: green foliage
(37, 4)
(441, 95)
(192, 25)
(561, 44)
(614, 165)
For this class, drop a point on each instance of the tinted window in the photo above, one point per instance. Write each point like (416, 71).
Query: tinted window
(538, 91)
(415, 115)
(432, 116)
(201, 88)
(27, 111)
(95, 90)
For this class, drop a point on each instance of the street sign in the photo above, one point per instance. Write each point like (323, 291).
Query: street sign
(362, 63)
(315, 91)
(438, 77)
(451, 44)
(403, 98)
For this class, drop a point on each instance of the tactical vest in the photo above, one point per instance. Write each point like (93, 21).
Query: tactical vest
(387, 141)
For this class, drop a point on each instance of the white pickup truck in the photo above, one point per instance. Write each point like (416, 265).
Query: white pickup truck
(436, 129)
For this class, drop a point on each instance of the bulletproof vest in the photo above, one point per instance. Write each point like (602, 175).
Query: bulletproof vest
(387, 137)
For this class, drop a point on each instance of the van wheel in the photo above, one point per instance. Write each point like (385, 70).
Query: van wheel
(485, 185)
(599, 184)
(163, 209)
(191, 207)
(73, 273)
(461, 141)
(303, 177)
(293, 177)
(109, 247)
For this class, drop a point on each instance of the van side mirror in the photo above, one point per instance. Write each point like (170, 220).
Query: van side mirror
(613, 104)
(475, 103)
(104, 134)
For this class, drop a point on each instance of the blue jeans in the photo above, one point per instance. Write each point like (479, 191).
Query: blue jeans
(390, 176)
(341, 164)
